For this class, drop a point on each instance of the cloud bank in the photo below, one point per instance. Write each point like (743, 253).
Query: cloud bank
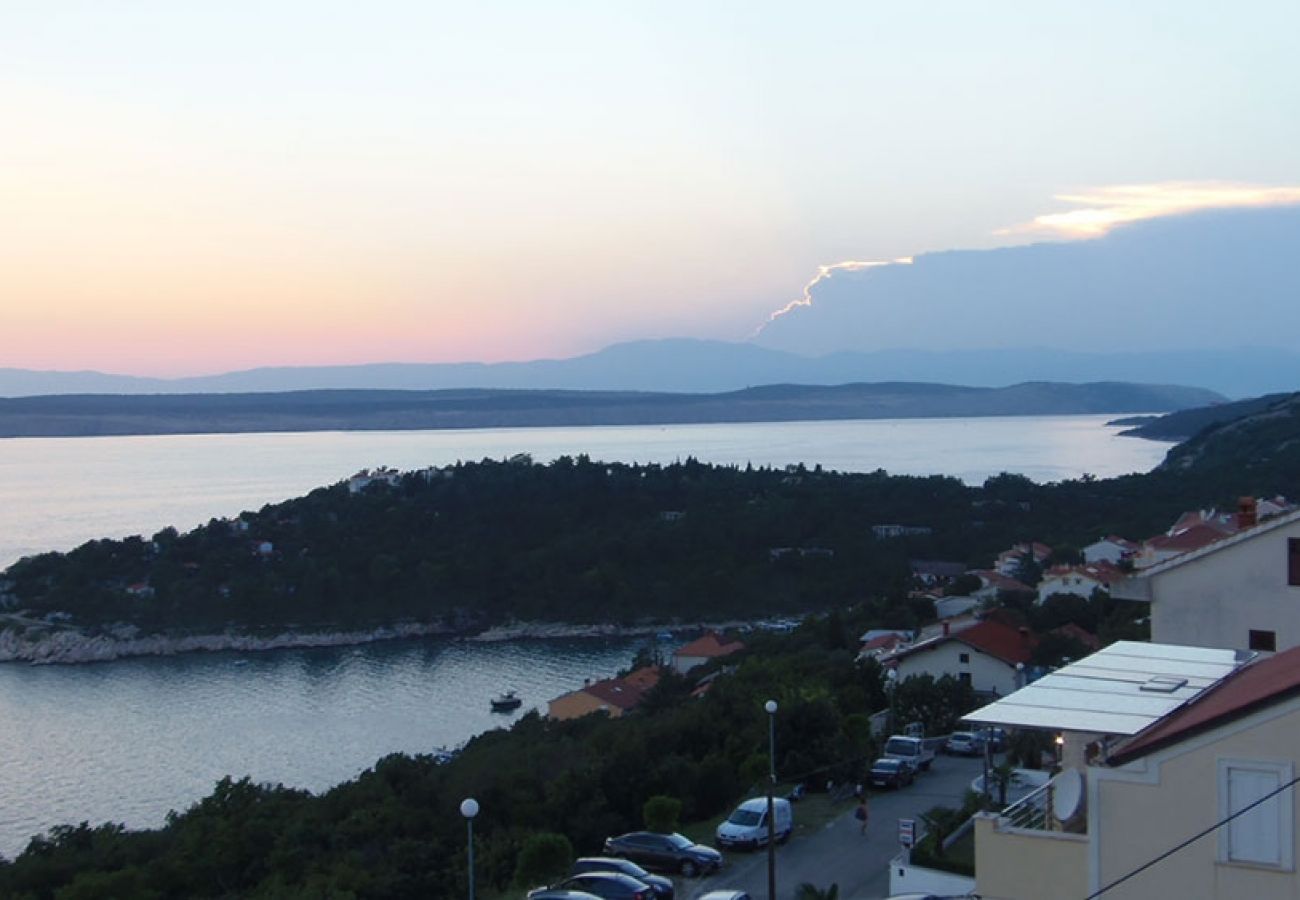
(1151, 281)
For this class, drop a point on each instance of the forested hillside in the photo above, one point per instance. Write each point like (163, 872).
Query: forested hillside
(579, 541)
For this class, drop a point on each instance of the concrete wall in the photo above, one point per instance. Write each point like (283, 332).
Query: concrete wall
(1134, 822)
(1215, 600)
(907, 878)
(1017, 864)
(987, 673)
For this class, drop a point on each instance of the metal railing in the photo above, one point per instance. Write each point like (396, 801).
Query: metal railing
(1032, 810)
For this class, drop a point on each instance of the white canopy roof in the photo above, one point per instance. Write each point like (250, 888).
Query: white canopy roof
(1119, 690)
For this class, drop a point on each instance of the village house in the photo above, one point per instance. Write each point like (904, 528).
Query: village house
(989, 655)
(365, 478)
(1111, 549)
(1009, 561)
(614, 696)
(1080, 581)
(1177, 773)
(994, 583)
(1240, 591)
(702, 650)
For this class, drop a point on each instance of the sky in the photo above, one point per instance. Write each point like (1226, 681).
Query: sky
(195, 187)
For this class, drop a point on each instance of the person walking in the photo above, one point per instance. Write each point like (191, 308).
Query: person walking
(861, 813)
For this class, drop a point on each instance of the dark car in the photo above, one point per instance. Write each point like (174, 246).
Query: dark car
(667, 852)
(560, 894)
(663, 887)
(607, 886)
(892, 773)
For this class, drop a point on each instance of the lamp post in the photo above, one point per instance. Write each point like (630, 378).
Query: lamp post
(770, 706)
(891, 685)
(469, 809)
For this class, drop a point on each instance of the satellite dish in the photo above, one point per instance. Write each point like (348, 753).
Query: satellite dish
(1067, 795)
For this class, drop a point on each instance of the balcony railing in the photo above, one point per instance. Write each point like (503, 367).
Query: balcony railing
(1031, 811)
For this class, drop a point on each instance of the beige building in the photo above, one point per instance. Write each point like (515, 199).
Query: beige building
(1241, 591)
(1198, 803)
(614, 696)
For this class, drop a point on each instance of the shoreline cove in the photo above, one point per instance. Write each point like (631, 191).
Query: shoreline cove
(68, 646)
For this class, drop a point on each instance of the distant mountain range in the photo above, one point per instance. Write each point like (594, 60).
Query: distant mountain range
(698, 366)
(89, 414)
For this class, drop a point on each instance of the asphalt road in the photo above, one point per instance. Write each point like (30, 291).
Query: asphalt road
(839, 854)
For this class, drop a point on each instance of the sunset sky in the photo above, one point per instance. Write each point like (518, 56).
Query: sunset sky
(197, 187)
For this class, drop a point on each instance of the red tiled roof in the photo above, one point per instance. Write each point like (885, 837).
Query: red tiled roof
(625, 692)
(709, 646)
(1193, 538)
(1002, 582)
(1004, 642)
(1252, 687)
(1080, 634)
(1011, 645)
(881, 642)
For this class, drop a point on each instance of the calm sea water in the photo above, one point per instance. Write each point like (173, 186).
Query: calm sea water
(129, 740)
(56, 493)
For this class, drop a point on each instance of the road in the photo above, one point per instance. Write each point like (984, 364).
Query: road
(839, 854)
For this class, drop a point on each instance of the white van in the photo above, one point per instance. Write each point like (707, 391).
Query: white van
(747, 826)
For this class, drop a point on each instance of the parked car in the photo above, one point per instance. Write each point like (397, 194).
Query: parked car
(964, 743)
(667, 852)
(747, 825)
(916, 751)
(663, 887)
(560, 894)
(892, 773)
(724, 895)
(607, 886)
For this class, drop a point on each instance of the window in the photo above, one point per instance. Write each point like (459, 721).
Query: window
(1262, 835)
(965, 657)
(1293, 562)
(1263, 640)
(964, 677)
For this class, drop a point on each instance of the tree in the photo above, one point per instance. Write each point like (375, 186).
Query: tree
(661, 813)
(544, 857)
(810, 891)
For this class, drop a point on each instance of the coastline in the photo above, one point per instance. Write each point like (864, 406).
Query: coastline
(68, 646)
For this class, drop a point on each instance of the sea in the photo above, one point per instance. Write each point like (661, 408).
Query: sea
(127, 741)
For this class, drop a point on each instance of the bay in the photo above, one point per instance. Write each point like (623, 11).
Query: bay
(129, 740)
(57, 493)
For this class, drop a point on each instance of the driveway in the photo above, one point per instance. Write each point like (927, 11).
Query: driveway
(839, 854)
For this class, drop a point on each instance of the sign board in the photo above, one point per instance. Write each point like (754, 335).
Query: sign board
(906, 831)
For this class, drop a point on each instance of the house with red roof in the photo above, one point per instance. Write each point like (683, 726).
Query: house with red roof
(1078, 580)
(1188, 788)
(702, 650)
(1240, 591)
(989, 655)
(614, 696)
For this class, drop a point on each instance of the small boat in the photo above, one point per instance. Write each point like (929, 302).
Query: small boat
(506, 702)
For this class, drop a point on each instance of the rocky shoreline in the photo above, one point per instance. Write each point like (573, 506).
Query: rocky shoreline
(68, 645)
(65, 646)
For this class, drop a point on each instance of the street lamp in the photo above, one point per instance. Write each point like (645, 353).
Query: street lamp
(770, 706)
(891, 685)
(469, 809)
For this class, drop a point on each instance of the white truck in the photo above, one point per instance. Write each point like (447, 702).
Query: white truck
(912, 750)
